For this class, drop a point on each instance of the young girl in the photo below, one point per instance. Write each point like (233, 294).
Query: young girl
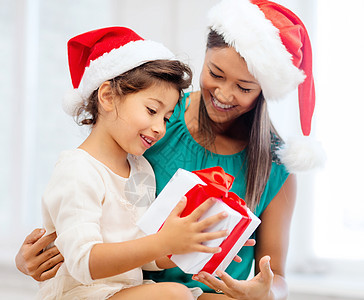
(126, 88)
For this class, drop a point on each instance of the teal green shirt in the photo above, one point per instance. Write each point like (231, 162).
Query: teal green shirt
(178, 149)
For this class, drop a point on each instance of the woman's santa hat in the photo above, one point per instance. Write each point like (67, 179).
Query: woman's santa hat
(276, 47)
(103, 54)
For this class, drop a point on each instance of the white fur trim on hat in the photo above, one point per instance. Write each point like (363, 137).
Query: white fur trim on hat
(72, 100)
(244, 26)
(302, 154)
(120, 60)
(111, 65)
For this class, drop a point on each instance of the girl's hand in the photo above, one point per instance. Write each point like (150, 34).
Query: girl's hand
(258, 287)
(185, 235)
(33, 261)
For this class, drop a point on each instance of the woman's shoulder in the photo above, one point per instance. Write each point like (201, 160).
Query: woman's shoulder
(192, 100)
(279, 172)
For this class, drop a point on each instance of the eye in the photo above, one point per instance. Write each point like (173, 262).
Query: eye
(214, 75)
(151, 111)
(166, 120)
(244, 90)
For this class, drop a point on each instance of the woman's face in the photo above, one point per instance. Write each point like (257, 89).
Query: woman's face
(227, 87)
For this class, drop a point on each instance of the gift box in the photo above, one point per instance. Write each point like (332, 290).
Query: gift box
(198, 186)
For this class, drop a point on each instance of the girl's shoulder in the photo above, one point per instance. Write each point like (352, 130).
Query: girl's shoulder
(76, 159)
(139, 164)
(76, 165)
(75, 170)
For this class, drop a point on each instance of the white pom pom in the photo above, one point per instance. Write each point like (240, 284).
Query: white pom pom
(71, 102)
(301, 154)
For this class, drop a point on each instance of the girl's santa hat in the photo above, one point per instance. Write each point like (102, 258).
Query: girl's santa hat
(103, 54)
(276, 47)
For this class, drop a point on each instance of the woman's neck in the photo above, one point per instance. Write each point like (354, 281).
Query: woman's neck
(229, 137)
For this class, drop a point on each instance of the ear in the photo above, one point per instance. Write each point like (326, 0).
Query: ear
(106, 97)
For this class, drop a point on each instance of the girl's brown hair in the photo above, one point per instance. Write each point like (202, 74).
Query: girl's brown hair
(173, 72)
(257, 131)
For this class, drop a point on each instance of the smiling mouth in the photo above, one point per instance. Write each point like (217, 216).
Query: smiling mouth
(147, 140)
(221, 106)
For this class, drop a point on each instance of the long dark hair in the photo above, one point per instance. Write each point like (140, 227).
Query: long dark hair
(257, 130)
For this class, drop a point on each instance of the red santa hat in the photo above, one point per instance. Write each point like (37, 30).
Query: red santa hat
(103, 54)
(276, 47)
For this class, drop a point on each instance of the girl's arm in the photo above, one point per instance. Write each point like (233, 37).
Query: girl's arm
(270, 254)
(177, 236)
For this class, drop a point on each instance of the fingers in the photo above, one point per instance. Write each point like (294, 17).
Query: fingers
(34, 236)
(43, 242)
(44, 262)
(237, 259)
(265, 270)
(250, 242)
(49, 263)
(50, 273)
(31, 254)
(211, 281)
(227, 279)
(202, 208)
(207, 236)
(177, 211)
(47, 258)
(206, 249)
(49, 267)
(206, 223)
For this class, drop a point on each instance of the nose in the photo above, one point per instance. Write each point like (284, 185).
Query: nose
(224, 94)
(159, 127)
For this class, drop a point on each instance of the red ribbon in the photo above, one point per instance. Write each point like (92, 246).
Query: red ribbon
(218, 186)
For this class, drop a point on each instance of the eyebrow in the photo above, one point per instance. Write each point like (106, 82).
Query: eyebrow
(241, 80)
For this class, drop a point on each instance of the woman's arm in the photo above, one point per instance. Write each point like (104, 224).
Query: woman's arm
(273, 236)
(270, 255)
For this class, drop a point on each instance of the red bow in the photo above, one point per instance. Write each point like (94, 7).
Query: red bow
(218, 186)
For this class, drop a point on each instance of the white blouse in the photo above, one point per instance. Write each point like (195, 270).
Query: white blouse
(86, 203)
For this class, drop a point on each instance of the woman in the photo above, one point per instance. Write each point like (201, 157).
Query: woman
(256, 51)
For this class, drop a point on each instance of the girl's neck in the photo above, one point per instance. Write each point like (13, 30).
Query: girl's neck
(107, 151)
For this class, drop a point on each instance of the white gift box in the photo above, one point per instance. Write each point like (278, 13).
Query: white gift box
(180, 184)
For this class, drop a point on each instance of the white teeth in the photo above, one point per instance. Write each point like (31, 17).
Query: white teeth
(221, 105)
(149, 141)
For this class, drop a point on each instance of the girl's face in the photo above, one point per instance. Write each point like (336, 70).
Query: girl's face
(227, 87)
(141, 117)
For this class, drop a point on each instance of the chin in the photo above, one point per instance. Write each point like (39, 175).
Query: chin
(137, 152)
(140, 153)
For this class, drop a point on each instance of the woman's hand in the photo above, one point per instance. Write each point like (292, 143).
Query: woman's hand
(165, 263)
(250, 242)
(272, 238)
(259, 287)
(33, 261)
